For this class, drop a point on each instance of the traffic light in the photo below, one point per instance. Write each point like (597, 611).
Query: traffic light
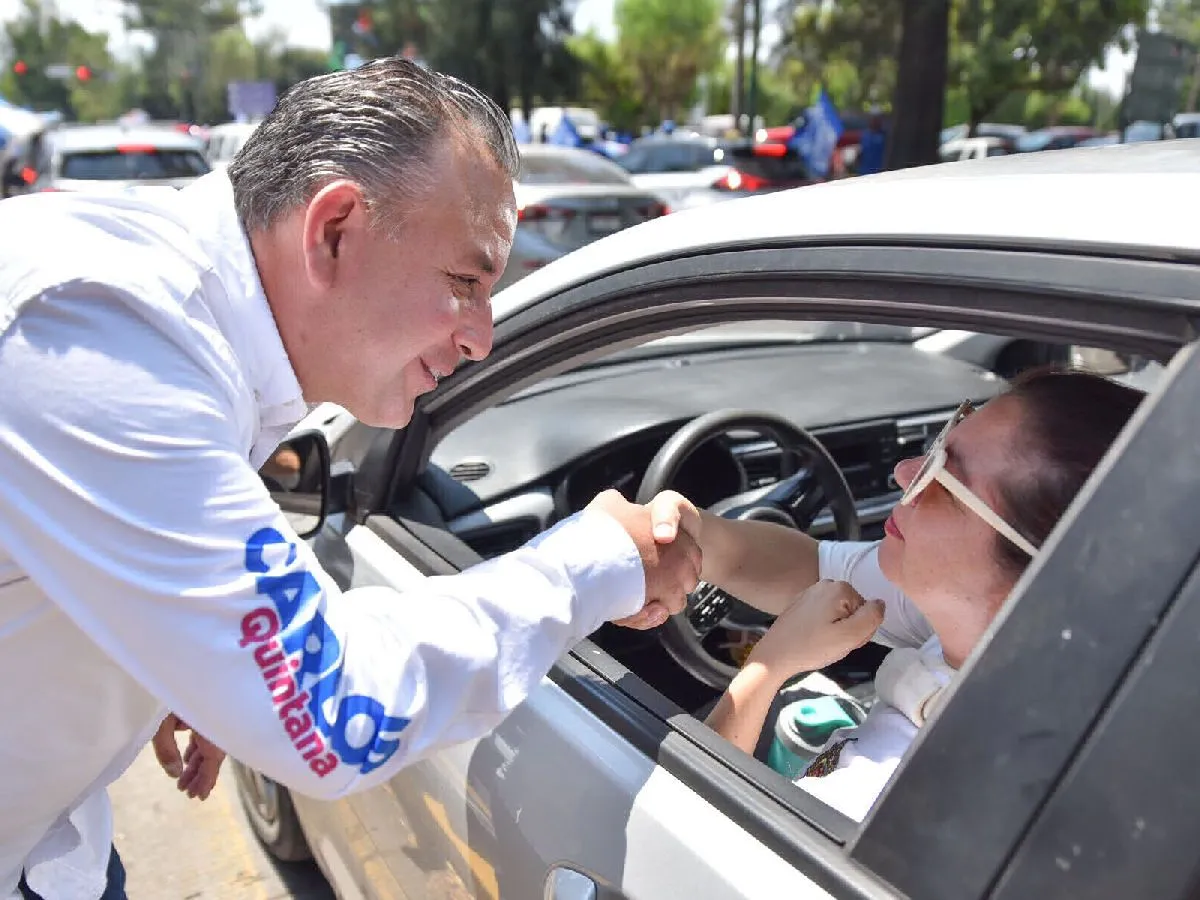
(83, 73)
(19, 67)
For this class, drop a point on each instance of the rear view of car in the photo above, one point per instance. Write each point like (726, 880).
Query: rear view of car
(686, 170)
(567, 198)
(108, 158)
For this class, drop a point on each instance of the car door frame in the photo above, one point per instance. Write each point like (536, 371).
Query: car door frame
(1114, 297)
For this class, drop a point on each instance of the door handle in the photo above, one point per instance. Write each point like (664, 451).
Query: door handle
(567, 884)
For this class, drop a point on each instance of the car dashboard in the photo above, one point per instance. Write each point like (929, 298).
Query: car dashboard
(540, 456)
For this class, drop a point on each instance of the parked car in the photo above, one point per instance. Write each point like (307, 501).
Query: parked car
(567, 198)
(1058, 137)
(1186, 125)
(687, 169)
(959, 149)
(225, 140)
(1061, 763)
(103, 158)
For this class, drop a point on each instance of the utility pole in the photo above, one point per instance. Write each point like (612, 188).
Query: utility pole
(739, 37)
(755, 38)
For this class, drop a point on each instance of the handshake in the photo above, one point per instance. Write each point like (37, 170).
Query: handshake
(666, 532)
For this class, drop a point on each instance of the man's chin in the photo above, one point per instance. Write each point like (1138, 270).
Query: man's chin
(385, 415)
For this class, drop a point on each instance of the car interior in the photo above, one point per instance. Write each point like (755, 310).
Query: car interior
(796, 422)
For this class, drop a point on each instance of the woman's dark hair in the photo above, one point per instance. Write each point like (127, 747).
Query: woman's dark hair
(1071, 418)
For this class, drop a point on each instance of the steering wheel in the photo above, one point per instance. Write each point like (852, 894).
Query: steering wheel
(795, 501)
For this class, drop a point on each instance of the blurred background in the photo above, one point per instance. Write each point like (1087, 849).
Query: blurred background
(675, 102)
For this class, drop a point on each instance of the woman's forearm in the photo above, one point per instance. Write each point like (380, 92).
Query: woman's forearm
(742, 710)
(760, 563)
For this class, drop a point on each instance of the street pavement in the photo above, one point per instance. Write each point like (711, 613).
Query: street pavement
(180, 849)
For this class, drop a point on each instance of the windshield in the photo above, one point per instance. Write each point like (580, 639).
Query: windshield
(147, 163)
(582, 168)
(765, 333)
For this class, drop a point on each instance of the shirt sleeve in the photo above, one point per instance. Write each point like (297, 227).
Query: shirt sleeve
(857, 562)
(128, 500)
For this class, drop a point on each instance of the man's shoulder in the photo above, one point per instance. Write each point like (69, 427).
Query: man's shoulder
(117, 241)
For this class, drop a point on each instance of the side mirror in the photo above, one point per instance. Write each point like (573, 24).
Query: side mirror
(297, 476)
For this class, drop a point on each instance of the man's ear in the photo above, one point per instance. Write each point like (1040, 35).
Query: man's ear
(335, 214)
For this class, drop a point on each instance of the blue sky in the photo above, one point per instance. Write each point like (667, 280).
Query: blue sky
(305, 24)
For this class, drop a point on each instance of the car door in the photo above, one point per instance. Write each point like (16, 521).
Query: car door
(600, 787)
(582, 792)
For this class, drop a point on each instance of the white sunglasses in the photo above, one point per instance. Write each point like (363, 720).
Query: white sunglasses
(934, 469)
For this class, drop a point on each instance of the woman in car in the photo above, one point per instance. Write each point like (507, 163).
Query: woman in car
(974, 511)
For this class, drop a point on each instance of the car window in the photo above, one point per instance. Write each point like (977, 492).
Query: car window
(681, 156)
(583, 168)
(133, 163)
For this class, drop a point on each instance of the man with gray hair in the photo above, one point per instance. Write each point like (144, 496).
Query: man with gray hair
(155, 347)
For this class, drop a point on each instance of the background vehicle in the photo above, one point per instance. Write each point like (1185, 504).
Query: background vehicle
(103, 158)
(687, 170)
(604, 783)
(567, 198)
(1058, 137)
(974, 148)
(224, 141)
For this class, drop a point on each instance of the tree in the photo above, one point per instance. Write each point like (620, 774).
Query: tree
(920, 84)
(608, 83)
(849, 46)
(1005, 46)
(178, 83)
(1181, 18)
(53, 53)
(669, 43)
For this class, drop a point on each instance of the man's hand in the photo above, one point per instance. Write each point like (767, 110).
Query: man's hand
(196, 772)
(665, 533)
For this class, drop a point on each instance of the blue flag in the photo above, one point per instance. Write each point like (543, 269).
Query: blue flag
(521, 132)
(816, 140)
(566, 135)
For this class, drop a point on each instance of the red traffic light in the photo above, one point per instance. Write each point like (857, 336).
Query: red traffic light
(83, 73)
(19, 67)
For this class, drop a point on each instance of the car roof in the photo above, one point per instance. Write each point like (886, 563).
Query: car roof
(684, 137)
(1048, 200)
(82, 138)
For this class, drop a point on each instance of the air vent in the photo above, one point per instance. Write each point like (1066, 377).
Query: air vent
(914, 435)
(471, 470)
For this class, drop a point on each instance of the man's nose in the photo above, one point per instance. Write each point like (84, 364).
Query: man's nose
(474, 338)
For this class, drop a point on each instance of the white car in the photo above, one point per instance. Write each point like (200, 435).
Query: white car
(1061, 764)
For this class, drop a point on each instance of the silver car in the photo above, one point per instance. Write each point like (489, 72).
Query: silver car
(567, 198)
(1061, 764)
(104, 158)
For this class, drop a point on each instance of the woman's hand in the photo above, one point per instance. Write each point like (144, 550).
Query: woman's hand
(821, 626)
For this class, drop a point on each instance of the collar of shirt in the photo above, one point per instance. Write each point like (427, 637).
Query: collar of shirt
(215, 224)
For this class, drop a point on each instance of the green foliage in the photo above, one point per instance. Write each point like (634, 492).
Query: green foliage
(850, 46)
(669, 44)
(1003, 46)
(1011, 60)
(608, 83)
(39, 41)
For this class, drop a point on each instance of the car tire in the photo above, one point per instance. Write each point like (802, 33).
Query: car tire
(272, 815)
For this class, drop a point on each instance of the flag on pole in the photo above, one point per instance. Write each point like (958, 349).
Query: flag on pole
(817, 138)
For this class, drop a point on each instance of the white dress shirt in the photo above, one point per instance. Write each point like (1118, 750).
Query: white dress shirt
(144, 567)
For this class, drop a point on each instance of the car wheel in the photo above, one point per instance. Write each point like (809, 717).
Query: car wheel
(269, 808)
